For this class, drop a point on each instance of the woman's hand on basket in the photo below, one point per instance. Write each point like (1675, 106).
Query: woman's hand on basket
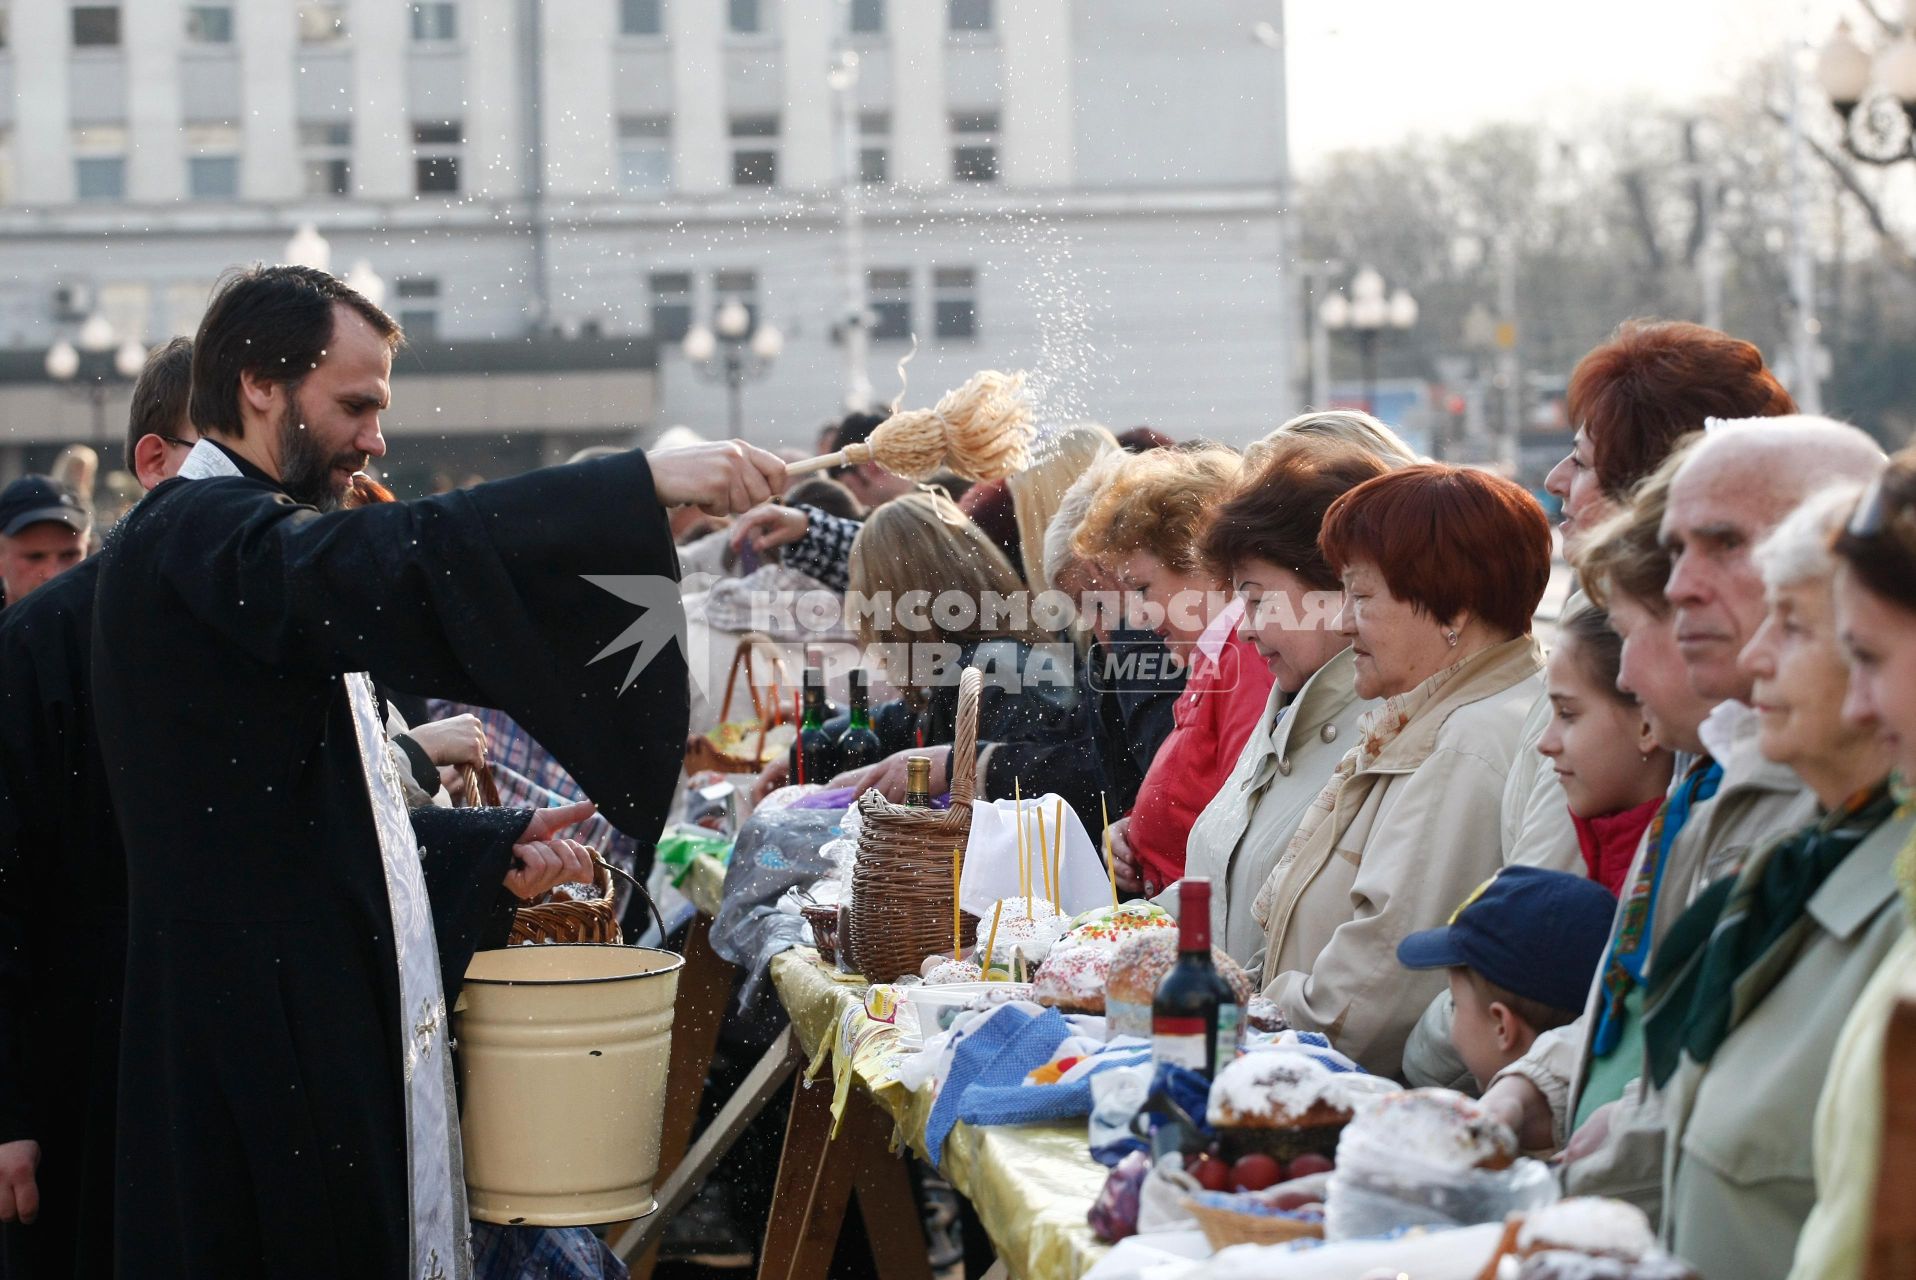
(889, 775)
(1124, 859)
(456, 741)
(769, 526)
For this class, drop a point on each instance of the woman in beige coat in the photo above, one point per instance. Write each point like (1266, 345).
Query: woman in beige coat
(1442, 569)
(1263, 541)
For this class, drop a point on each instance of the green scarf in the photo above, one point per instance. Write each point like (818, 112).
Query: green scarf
(1694, 1001)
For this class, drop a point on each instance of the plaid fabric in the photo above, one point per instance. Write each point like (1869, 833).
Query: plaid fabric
(825, 552)
(542, 1253)
(528, 777)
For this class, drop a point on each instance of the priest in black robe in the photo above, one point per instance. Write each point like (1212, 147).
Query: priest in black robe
(286, 1098)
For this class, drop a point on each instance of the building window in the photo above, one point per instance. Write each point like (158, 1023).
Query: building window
(742, 285)
(325, 153)
(754, 151)
(435, 163)
(6, 166)
(874, 146)
(209, 23)
(745, 17)
(671, 305)
(642, 17)
(645, 153)
(889, 293)
(99, 177)
(954, 294)
(96, 26)
(185, 304)
(212, 177)
(6, 27)
(322, 23)
(868, 17)
(974, 152)
(435, 21)
(969, 15)
(418, 307)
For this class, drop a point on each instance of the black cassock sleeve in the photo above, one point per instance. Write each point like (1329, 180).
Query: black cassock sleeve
(465, 855)
(478, 595)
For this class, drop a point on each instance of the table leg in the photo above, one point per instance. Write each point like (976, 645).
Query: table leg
(892, 1223)
(816, 1178)
(705, 990)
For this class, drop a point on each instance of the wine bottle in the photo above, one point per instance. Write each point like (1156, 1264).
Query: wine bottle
(1195, 1019)
(858, 746)
(918, 782)
(813, 759)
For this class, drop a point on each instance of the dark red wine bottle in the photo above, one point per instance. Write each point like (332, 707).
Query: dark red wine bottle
(813, 759)
(1195, 1018)
(858, 746)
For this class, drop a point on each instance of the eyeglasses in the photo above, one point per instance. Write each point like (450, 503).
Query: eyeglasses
(175, 440)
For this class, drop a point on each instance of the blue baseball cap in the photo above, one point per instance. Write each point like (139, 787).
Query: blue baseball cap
(1536, 933)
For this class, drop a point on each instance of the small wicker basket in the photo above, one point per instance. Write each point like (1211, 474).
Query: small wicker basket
(901, 909)
(1226, 1227)
(702, 753)
(823, 917)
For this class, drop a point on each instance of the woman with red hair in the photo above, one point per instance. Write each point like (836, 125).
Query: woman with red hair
(1442, 568)
(1635, 396)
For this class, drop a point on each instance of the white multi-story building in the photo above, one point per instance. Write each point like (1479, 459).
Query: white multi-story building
(555, 191)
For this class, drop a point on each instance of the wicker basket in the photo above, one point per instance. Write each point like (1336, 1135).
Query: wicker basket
(901, 883)
(1226, 1227)
(823, 917)
(555, 917)
(768, 709)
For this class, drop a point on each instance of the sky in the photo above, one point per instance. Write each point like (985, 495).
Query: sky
(1373, 72)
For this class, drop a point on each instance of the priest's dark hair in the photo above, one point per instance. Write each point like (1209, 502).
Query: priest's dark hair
(159, 397)
(275, 323)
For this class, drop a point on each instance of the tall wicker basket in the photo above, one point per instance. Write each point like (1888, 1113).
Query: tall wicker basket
(901, 883)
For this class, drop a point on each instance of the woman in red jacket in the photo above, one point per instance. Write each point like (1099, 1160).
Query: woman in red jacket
(1144, 529)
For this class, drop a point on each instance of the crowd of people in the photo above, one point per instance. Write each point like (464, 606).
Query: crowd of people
(1641, 888)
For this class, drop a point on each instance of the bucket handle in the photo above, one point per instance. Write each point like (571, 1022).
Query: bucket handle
(638, 887)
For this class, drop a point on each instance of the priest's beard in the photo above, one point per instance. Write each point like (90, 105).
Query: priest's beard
(308, 473)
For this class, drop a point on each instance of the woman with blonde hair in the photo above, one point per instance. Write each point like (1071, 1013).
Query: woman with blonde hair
(1146, 529)
(935, 596)
(1353, 427)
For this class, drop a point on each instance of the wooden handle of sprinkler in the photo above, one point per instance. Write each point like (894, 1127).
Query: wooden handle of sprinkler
(850, 456)
(820, 463)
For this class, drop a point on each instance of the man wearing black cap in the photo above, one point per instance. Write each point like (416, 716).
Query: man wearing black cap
(43, 532)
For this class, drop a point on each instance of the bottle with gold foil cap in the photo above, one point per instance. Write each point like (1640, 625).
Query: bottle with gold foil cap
(918, 781)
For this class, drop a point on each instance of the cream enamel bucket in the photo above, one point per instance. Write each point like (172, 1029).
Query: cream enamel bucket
(562, 1053)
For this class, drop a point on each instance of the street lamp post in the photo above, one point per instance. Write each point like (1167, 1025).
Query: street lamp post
(1368, 312)
(735, 350)
(1874, 92)
(94, 367)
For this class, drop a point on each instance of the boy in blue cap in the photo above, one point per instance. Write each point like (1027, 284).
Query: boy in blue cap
(1521, 951)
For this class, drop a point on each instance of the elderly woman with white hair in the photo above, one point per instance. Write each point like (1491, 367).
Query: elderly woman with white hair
(1753, 982)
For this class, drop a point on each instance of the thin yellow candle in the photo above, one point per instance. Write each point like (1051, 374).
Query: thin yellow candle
(991, 943)
(1110, 868)
(1044, 855)
(1057, 852)
(957, 930)
(1017, 800)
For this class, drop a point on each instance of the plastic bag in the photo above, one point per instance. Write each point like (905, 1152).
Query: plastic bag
(1372, 1194)
(1114, 1214)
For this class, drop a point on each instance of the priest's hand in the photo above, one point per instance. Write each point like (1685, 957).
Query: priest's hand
(541, 861)
(19, 1193)
(720, 479)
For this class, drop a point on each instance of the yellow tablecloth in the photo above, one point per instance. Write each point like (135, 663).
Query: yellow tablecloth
(1031, 1184)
